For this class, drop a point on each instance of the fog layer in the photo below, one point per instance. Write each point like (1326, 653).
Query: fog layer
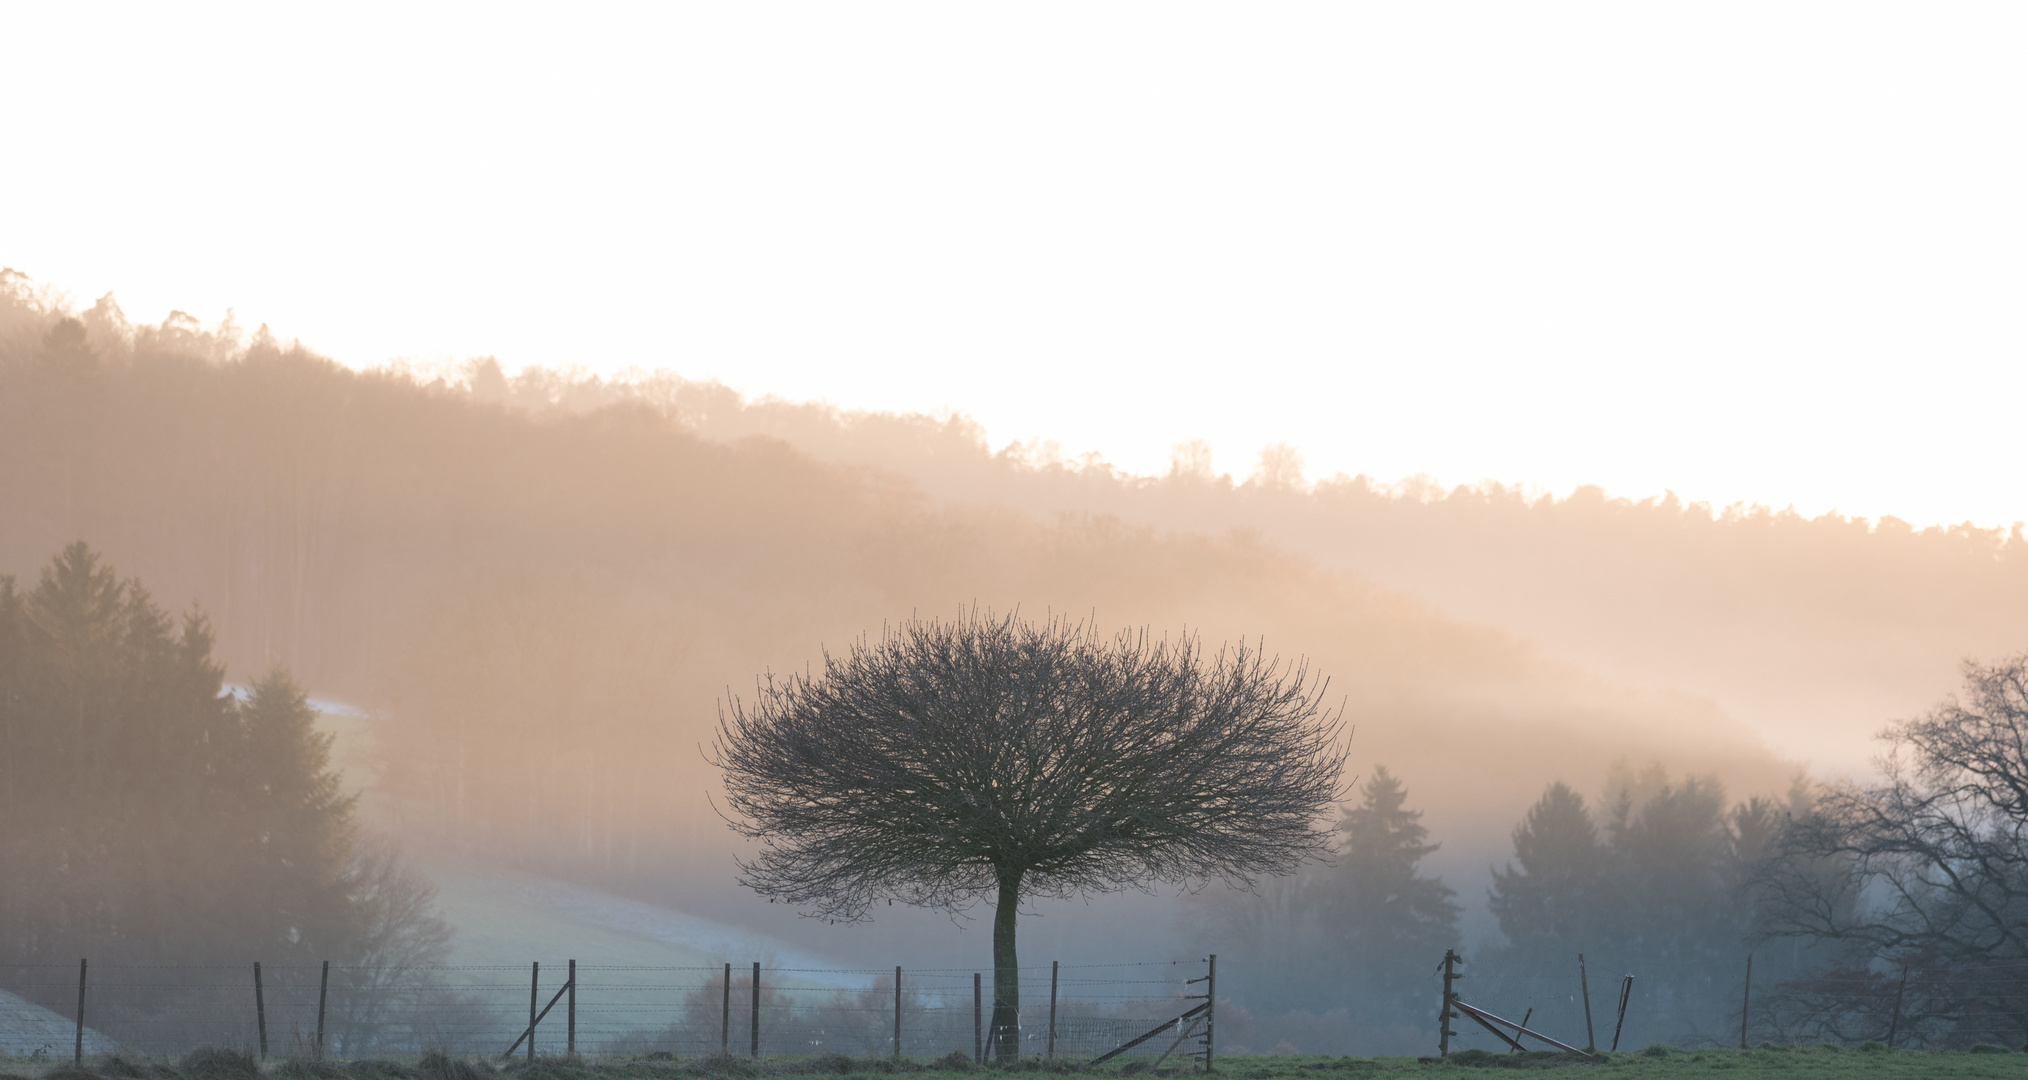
(543, 590)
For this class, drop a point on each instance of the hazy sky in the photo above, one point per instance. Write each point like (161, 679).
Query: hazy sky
(1761, 251)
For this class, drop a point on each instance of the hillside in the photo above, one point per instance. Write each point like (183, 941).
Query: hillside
(543, 610)
(1814, 631)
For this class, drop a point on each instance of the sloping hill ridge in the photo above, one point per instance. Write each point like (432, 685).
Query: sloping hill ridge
(539, 616)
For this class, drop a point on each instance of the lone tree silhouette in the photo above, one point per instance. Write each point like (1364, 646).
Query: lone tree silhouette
(994, 757)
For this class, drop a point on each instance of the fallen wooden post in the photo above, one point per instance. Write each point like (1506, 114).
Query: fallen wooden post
(1497, 1033)
(1485, 1017)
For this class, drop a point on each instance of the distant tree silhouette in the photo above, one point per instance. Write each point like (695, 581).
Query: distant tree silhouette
(994, 757)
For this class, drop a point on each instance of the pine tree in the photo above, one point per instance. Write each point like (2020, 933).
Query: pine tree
(301, 842)
(118, 737)
(1374, 902)
(1554, 901)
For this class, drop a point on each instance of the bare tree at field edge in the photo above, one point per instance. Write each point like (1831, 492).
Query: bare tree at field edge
(998, 758)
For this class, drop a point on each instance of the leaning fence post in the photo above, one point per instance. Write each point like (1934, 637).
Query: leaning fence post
(725, 1018)
(1626, 991)
(77, 1055)
(260, 1011)
(1584, 985)
(1895, 1024)
(323, 995)
(978, 1032)
(534, 984)
(755, 1052)
(1210, 1009)
(897, 1012)
(570, 1025)
(1746, 1001)
(1050, 1054)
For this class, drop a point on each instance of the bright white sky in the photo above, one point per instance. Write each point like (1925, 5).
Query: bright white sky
(1771, 252)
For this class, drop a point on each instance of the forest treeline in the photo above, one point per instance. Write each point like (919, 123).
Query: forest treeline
(153, 817)
(1809, 625)
(1655, 877)
(567, 596)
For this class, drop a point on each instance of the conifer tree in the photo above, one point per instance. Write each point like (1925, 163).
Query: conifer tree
(1552, 896)
(1374, 900)
(302, 841)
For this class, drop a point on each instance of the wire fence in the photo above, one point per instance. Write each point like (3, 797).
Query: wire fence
(300, 1011)
(1936, 1007)
(1074, 1010)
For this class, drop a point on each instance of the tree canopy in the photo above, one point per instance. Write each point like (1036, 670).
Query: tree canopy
(1924, 871)
(995, 757)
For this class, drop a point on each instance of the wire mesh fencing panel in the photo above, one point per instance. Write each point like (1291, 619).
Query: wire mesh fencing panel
(38, 1012)
(1102, 1007)
(144, 1007)
(859, 1013)
(1925, 1006)
(287, 1010)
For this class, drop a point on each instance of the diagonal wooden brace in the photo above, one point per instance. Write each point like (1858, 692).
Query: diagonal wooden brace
(1489, 1019)
(1157, 1030)
(530, 1029)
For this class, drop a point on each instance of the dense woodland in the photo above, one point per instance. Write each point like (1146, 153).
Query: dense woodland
(1812, 627)
(154, 818)
(543, 587)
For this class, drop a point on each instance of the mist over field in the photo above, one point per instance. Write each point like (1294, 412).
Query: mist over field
(537, 593)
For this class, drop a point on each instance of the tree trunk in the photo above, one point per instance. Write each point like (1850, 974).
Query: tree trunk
(1006, 975)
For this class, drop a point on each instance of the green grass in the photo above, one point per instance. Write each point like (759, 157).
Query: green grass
(1655, 1063)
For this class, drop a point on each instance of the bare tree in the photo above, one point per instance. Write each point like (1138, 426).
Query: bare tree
(1927, 869)
(994, 757)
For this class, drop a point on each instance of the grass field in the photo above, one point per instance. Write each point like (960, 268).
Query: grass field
(1656, 1063)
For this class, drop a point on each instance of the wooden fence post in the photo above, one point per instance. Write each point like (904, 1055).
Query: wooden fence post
(77, 1054)
(756, 1010)
(323, 996)
(897, 1012)
(1894, 1024)
(1050, 1054)
(1746, 1001)
(1210, 1010)
(534, 985)
(260, 1011)
(1584, 984)
(570, 1011)
(978, 1032)
(725, 1018)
